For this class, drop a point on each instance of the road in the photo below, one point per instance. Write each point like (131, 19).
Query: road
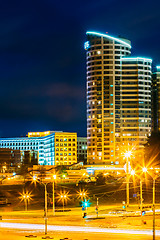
(19, 230)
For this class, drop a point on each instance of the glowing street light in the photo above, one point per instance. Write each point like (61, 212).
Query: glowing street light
(35, 179)
(82, 194)
(144, 169)
(132, 172)
(26, 197)
(63, 196)
(127, 155)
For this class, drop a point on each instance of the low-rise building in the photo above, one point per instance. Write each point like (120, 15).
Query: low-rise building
(53, 148)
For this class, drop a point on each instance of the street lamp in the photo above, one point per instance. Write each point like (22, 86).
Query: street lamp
(82, 194)
(63, 197)
(127, 155)
(54, 178)
(45, 208)
(132, 172)
(25, 197)
(144, 169)
(153, 201)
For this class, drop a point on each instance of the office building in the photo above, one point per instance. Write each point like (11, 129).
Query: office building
(53, 148)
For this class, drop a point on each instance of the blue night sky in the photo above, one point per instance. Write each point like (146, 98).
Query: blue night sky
(42, 60)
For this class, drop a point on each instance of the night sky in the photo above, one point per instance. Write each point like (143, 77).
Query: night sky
(42, 60)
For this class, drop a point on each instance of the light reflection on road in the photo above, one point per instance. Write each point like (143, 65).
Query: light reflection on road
(40, 227)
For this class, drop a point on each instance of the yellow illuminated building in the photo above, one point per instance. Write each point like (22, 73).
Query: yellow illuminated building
(65, 148)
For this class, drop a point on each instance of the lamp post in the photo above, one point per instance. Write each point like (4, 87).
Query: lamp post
(127, 155)
(45, 209)
(82, 195)
(153, 200)
(54, 178)
(26, 198)
(45, 203)
(63, 197)
(144, 170)
(153, 208)
(141, 197)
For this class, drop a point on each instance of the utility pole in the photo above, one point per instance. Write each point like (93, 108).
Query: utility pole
(97, 207)
(153, 208)
(54, 179)
(63, 203)
(53, 200)
(141, 198)
(127, 182)
(45, 209)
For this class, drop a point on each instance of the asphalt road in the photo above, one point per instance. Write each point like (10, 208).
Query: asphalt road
(20, 235)
(20, 230)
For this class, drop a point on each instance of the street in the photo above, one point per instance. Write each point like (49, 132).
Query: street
(8, 234)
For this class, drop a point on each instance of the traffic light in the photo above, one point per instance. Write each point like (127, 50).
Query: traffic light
(86, 203)
(124, 205)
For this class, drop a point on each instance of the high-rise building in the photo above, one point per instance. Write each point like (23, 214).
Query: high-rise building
(135, 103)
(118, 98)
(156, 100)
(103, 56)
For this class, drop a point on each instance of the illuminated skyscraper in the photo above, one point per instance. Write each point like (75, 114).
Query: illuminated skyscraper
(135, 103)
(103, 54)
(118, 98)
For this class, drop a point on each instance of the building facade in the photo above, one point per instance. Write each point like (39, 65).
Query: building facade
(156, 100)
(54, 148)
(118, 98)
(103, 57)
(135, 103)
(82, 149)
